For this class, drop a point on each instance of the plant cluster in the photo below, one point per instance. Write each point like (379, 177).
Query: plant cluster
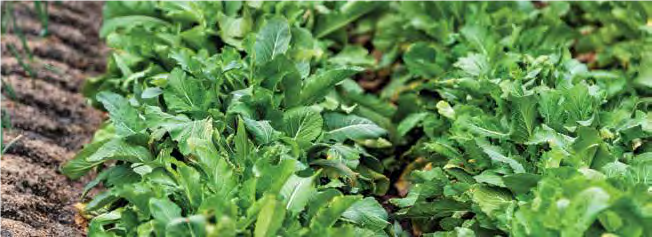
(372, 119)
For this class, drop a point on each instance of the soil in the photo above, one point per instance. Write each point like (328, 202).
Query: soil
(49, 120)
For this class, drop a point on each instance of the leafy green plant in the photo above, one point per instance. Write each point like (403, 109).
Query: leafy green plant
(214, 143)
(245, 118)
(520, 137)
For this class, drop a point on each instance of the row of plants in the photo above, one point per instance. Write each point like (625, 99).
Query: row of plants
(372, 119)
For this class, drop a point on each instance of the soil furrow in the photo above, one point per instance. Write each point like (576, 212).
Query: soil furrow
(39, 196)
(64, 104)
(61, 75)
(52, 119)
(60, 129)
(67, 35)
(36, 149)
(47, 49)
(88, 24)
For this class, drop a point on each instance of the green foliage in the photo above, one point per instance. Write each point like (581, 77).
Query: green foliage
(244, 118)
(228, 139)
(531, 142)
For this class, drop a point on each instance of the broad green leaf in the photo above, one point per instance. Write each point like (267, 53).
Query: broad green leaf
(189, 179)
(99, 152)
(180, 127)
(491, 200)
(317, 86)
(579, 103)
(124, 117)
(346, 14)
(586, 145)
(302, 124)
(272, 40)
(353, 56)
(341, 127)
(583, 210)
(194, 226)
(421, 59)
(297, 191)
(445, 109)
(496, 154)
(338, 166)
(234, 29)
(164, 210)
(263, 131)
(321, 199)
(367, 213)
(273, 177)
(151, 92)
(473, 64)
(551, 109)
(328, 215)
(185, 94)
(521, 183)
(524, 114)
(183, 10)
(409, 123)
(270, 218)
(437, 208)
(113, 24)
(344, 154)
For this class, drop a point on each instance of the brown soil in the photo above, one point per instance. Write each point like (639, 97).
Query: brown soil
(50, 120)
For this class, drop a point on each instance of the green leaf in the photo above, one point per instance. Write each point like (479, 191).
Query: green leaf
(579, 103)
(185, 94)
(586, 145)
(344, 154)
(180, 127)
(367, 213)
(113, 24)
(342, 127)
(328, 215)
(124, 117)
(263, 132)
(270, 219)
(164, 210)
(421, 59)
(297, 191)
(317, 86)
(194, 226)
(492, 201)
(437, 208)
(495, 153)
(521, 183)
(551, 109)
(302, 124)
(524, 114)
(583, 210)
(445, 109)
(234, 29)
(272, 40)
(348, 13)
(99, 152)
(151, 92)
(338, 166)
(320, 199)
(241, 142)
(473, 64)
(353, 56)
(410, 122)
